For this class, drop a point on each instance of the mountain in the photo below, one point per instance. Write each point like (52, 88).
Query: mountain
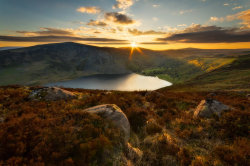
(41, 64)
(56, 62)
(8, 48)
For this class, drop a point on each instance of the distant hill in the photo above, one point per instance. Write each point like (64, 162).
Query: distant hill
(41, 64)
(8, 48)
(56, 62)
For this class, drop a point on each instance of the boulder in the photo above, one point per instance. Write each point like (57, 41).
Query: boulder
(51, 94)
(114, 113)
(208, 108)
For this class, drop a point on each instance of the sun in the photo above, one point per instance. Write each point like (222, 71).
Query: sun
(133, 44)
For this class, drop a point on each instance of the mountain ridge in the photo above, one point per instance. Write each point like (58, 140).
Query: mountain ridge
(42, 64)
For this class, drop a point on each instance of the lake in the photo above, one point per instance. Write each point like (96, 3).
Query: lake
(120, 82)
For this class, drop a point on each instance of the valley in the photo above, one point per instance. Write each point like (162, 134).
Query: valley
(43, 64)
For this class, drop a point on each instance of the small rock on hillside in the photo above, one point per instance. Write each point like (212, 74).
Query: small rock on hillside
(207, 108)
(114, 113)
(51, 94)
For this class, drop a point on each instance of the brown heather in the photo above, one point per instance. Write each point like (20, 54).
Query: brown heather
(162, 124)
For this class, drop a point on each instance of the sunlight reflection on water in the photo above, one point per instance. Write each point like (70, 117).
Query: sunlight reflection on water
(121, 82)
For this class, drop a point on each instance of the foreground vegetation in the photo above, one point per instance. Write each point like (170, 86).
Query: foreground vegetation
(162, 126)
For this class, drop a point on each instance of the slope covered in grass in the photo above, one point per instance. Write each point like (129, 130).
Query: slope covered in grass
(234, 76)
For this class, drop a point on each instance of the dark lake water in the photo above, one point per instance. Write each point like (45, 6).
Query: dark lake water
(121, 82)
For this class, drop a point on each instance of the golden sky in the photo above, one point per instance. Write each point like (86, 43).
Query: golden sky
(152, 24)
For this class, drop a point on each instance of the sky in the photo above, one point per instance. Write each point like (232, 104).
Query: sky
(152, 24)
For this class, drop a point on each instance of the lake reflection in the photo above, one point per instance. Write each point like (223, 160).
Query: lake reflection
(121, 82)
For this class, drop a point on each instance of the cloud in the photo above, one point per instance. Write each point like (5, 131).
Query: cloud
(199, 28)
(185, 11)
(182, 25)
(89, 9)
(155, 18)
(47, 32)
(216, 19)
(55, 39)
(244, 16)
(154, 43)
(208, 34)
(97, 23)
(156, 6)
(237, 7)
(226, 4)
(119, 18)
(123, 4)
(136, 32)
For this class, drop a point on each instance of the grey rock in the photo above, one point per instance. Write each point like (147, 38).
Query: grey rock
(207, 108)
(114, 113)
(51, 94)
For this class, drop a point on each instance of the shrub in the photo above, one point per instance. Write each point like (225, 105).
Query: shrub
(234, 123)
(50, 133)
(233, 155)
(137, 118)
(184, 157)
(153, 128)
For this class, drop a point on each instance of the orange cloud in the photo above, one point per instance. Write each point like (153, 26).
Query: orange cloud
(48, 32)
(97, 23)
(136, 32)
(89, 10)
(245, 17)
(123, 4)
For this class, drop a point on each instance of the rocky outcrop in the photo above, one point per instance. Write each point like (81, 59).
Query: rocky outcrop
(208, 108)
(51, 94)
(114, 113)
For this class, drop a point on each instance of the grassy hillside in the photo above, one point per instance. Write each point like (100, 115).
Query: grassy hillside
(162, 126)
(234, 76)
